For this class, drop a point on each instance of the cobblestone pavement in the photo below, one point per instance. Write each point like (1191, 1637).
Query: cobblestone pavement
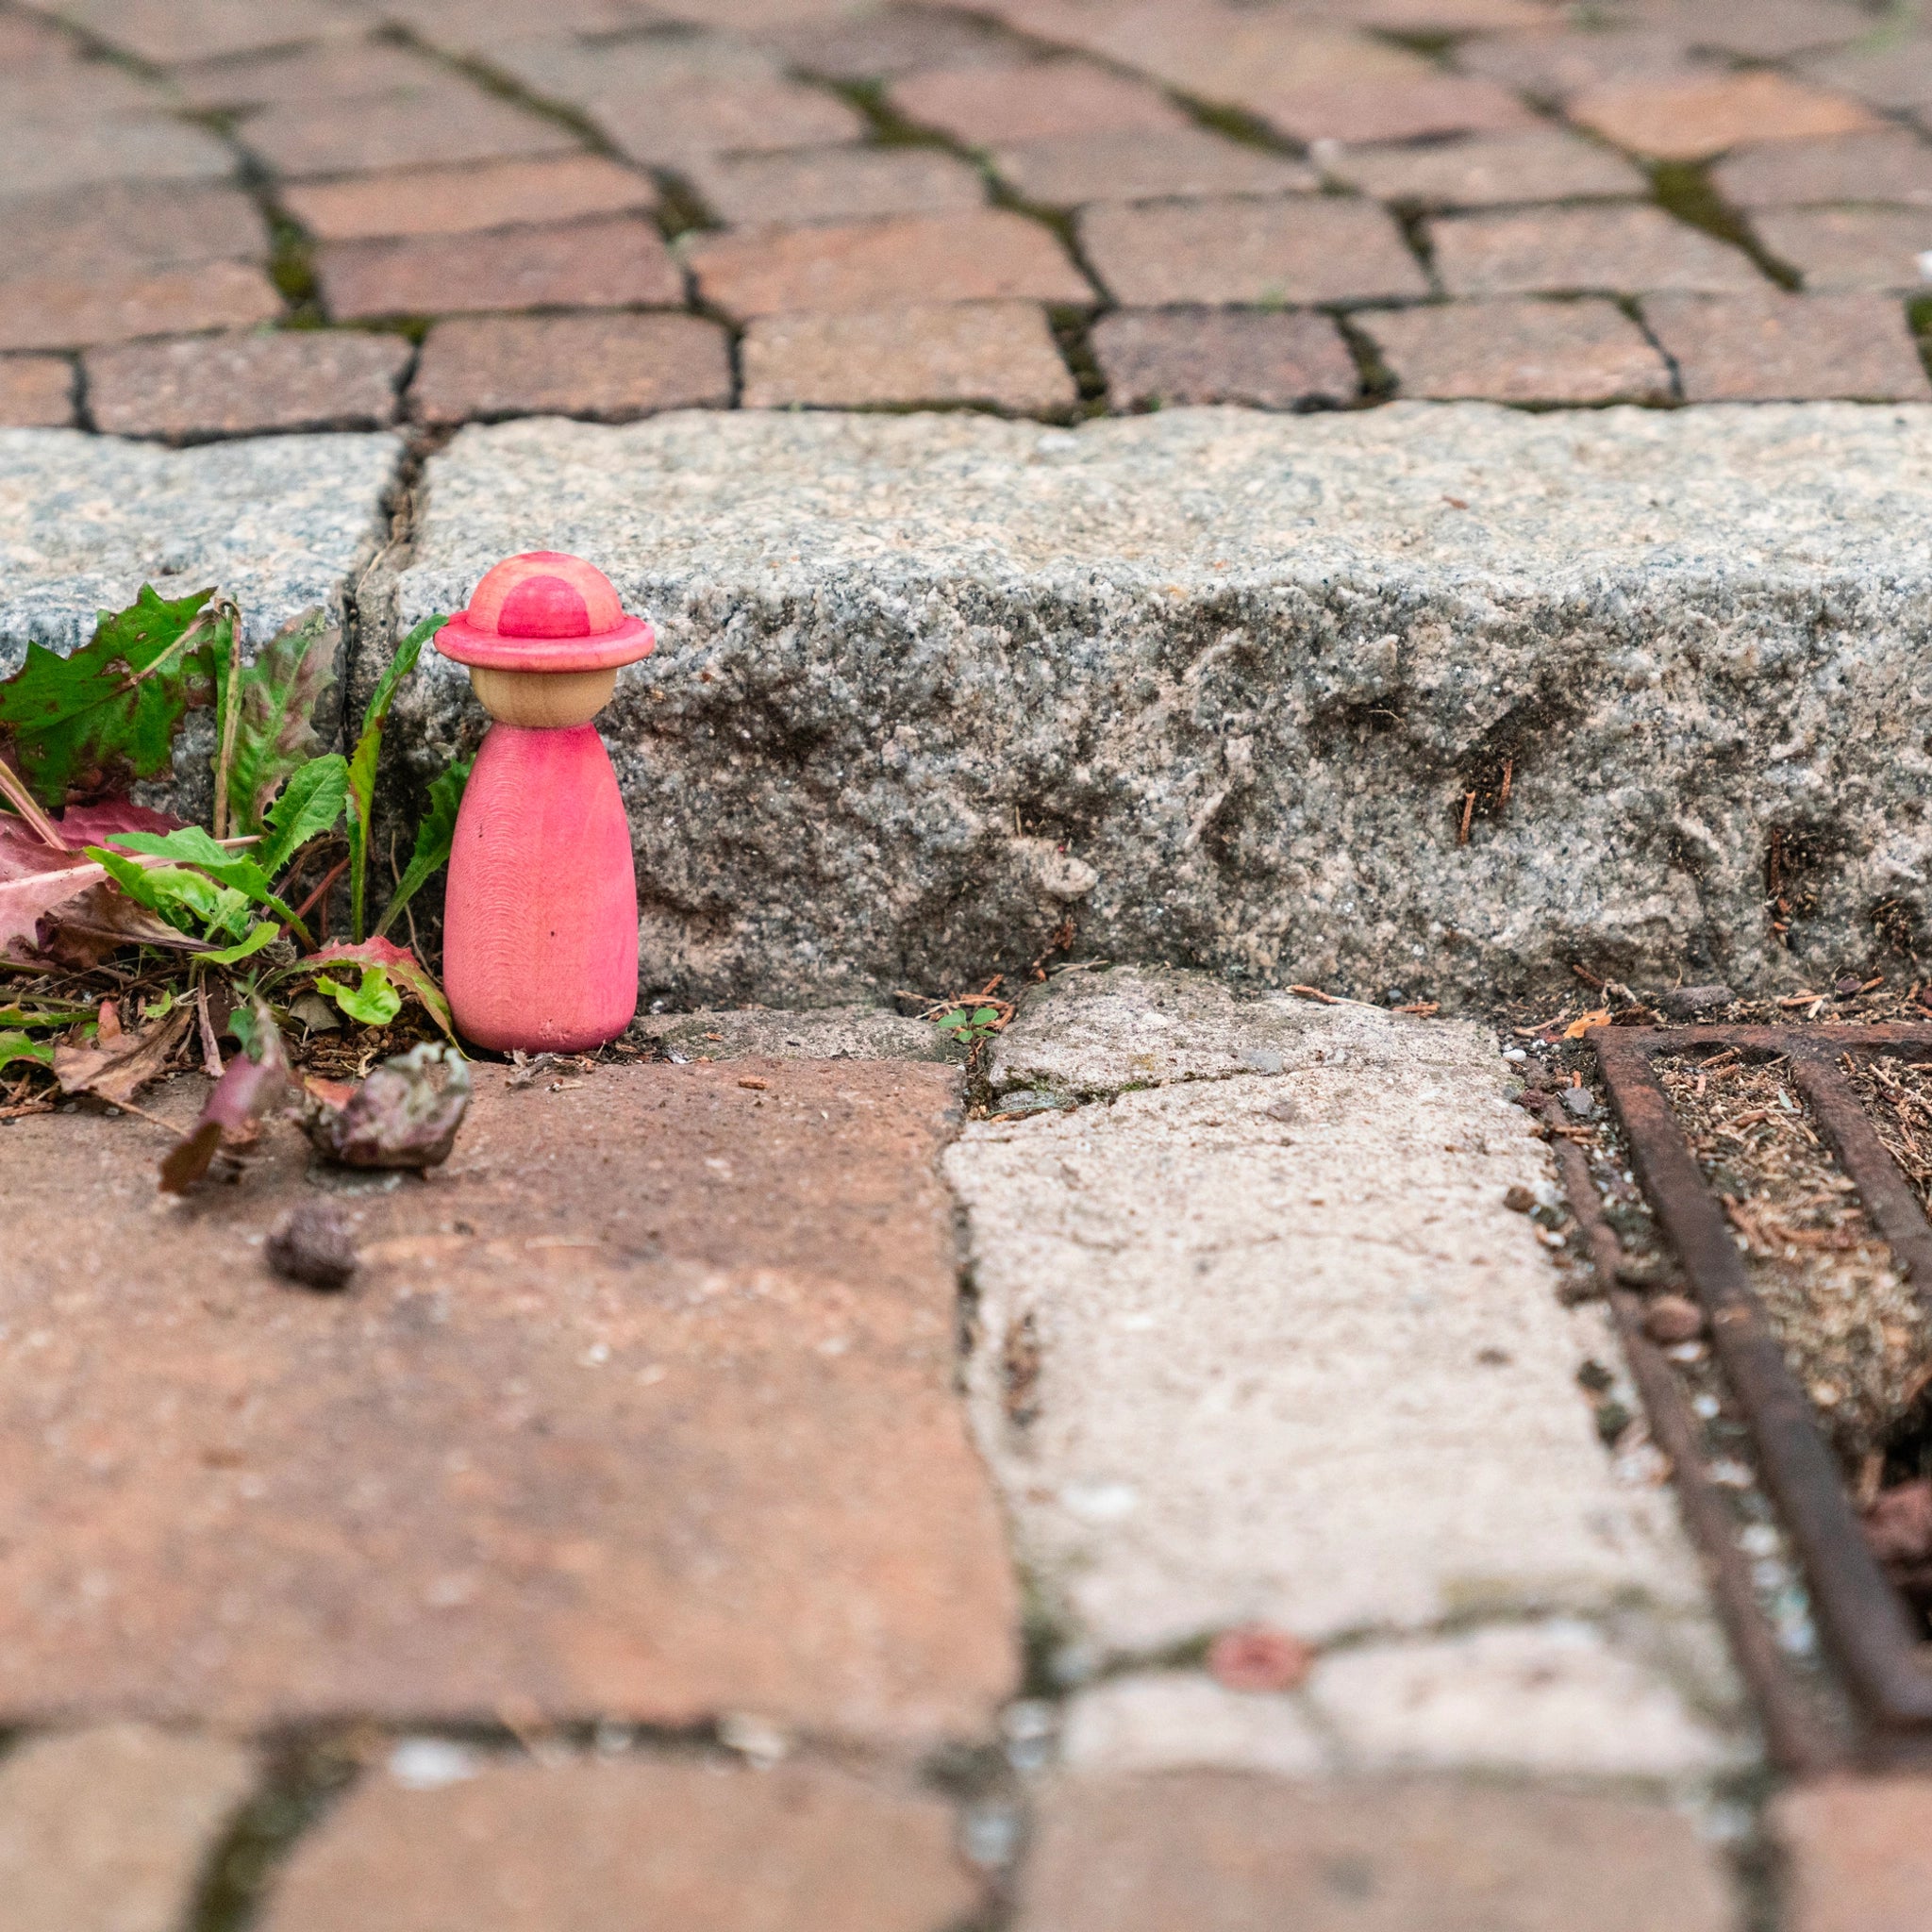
(220, 216)
(619, 1549)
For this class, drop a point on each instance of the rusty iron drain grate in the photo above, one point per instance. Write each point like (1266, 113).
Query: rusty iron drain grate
(1869, 1629)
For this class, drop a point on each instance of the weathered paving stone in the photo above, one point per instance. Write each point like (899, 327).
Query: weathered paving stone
(1143, 1720)
(1626, 249)
(36, 392)
(1690, 120)
(113, 227)
(1222, 1853)
(60, 312)
(244, 385)
(1554, 64)
(1246, 669)
(662, 126)
(432, 125)
(1521, 352)
(169, 30)
(996, 353)
(826, 1033)
(1858, 1852)
(283, 524)
(72, 151)
(875, 46)
(609, 367)
(1770, 29)
(1256, 1340)
(534, 1848)
(833, 184)
(1850, 247)
(1895, 74)
(1072, 170)
(1774, 347)
(1163, 357)
(107, 1830)
(614, 1421)
(341, 71)
(1501, 168)
(458, 201)
(1892, 165)
(1430, 105)
(982, 106)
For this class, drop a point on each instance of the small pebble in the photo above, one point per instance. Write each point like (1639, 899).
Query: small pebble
(313, 1245)
(1673, 1318)
(1579, 1102)
(1688, 1002)
(1519, 1200)
(1257, 1659)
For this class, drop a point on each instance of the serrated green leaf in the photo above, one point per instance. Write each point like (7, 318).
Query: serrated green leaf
(435, 834)
(375, 1002)
(22, 1046)
(192, 846)
(310, 805)
(82, 725)
(363, 759)
(184, 898)
(274, 728)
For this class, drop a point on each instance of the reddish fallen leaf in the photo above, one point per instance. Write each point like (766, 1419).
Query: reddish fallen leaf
(61, 903)
(247, 1090)
(402, 966)
(1899, 1524)
(404, 1115)
(119, 1071)
(1255, 1657)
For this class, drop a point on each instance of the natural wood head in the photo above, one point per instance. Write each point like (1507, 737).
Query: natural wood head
(542, 700)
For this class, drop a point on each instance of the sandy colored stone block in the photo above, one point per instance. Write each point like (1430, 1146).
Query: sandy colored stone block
(663, 127)
(334, 71)
(989, 254)
(1521, 352)
(1622, 249)
(1184, 1721)
(616, 1419)
(1857, 1852)
(1894, 74)
(1300, 249)
(876, 46)
(1892, 164)
(117, 227)
(1774, 347)
(1691, 120)
(607, 263)
(612, 368)
(1545, 165)
(36, 392)
(60, 313)
(435, 125)
(1851, 247)
(165, 32)
(458, 201)
(1221, 1852)
(984, 107)
(77, 150)
(1082, 168)
(1768, 29)
(241, 385)
(997, 353)
(834, 184)
(631, 1842)
(1557, 63)
(1164, 356)
(1425, 108)
(108, 1830)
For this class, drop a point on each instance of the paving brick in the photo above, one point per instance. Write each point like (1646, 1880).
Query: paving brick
(1895, 72)
(489, 28)
(437, 125)
(55, 91)
(1304, 249)
(1142, 1720)
(998, 353)
(1486, 172)
(457, 201)
(165, 32)
(1176, 356)
(240, 385)
(1521, 352)
(700, 117)
(36, 392)
(1431, 106)
(108, 1830)
(26, 42)
(1555, 64)
(73, 151)
(982, 106)
(1692, 119)
(337, 71)
(609, 367)
(530, 1848)
(1773, 347)
(1623, 248)
(1850, 247)
(875, 47)
(605, 263)
(616, 1420)
(121, 226)
(1084, 168)
(987, 256)
(1857, 1852)
(651, 65)
(1434, 16)
(833, 184)
(64, 313)
(1890, 165)
(1221, 1852)
(1767, 29)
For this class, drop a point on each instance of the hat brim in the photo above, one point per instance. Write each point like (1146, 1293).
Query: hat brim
(633, 639)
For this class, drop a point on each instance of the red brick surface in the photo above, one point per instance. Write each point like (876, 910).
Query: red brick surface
(875, 46)
(680, 1844)
(1488, 170)
(1556, 65)
(1690, 120)
(438, 125)
(967, 257)
(72, 151)
(235, 385)
(121, 228)
(1774, 347)
(983, 107)
(454, 200)
(833, 184)
(169, 30)
(1623, 248)
(1299, 249)
(997, 353)
(1521, 352)
(608, 367)
(1188, 162)
(706, 116)
(1430, 105)
(616, 1419)
(334, 71)
(1173, 355)
(1850, 247)
(1221, 1852)
(583, 264)
(1858, 1852)
(60, 314)
(36, 392)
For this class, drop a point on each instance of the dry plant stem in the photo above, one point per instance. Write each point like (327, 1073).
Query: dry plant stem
(28, 807)
(231, 722)
(140, 1113)
(210, 1046)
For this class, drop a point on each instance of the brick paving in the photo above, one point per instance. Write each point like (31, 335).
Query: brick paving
(1214, 157)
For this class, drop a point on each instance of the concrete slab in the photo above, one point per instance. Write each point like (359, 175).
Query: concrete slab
(1249, 674)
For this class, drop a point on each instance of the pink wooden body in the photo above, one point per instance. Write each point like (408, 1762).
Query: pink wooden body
(540, 926)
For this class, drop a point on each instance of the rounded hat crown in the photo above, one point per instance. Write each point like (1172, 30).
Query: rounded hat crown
(546, 611)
